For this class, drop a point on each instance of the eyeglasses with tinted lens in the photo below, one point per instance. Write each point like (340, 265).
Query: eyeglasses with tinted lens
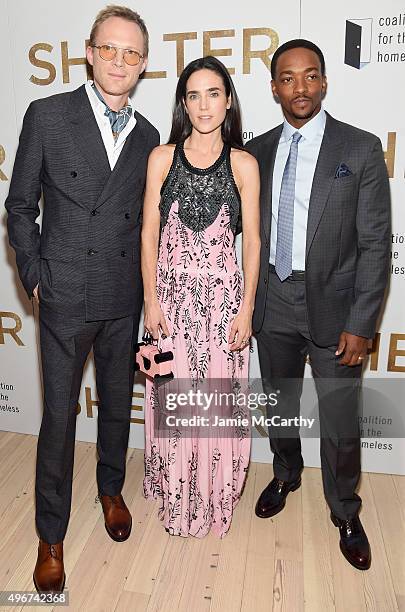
(108, 53)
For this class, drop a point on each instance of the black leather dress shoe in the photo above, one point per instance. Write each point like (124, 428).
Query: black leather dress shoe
(272, 499)
(353, 542)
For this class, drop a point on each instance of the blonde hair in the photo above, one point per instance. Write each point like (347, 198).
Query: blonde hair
(114, 10)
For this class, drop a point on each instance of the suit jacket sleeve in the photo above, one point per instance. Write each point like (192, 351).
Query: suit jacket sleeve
(373, 225)
(22, 202)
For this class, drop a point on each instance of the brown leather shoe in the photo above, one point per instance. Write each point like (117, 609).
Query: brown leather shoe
(353, 542)
(49, 575)
(118, 520)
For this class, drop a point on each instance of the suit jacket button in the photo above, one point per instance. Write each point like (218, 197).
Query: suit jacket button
(267, 244)
(123, 253)
(73, 174)
(91, 252)
(265, 281)
(127, 215)
(94, 212)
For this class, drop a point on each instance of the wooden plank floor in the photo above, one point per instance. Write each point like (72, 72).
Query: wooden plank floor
(289, 563)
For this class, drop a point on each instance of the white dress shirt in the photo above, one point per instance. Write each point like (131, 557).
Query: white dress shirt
(113, 149)
(308, 151)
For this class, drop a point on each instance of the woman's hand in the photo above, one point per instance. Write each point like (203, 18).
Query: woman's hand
(154, 320)
(241, 330)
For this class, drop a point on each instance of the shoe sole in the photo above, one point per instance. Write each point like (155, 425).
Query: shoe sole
(113, 537)
(39, 591)
(279, 508)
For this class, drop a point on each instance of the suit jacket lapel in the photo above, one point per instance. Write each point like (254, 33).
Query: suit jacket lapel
(267, 163)
(328, 160)
(86, 134)
(126, 165)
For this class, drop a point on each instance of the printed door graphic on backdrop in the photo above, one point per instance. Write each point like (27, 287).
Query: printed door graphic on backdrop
(358, 42)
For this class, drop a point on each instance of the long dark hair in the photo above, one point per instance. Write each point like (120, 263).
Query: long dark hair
(231, 128)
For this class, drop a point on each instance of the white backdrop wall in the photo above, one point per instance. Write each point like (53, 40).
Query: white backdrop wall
(43, 45)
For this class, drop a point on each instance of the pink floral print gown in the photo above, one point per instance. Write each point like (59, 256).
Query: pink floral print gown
(198, 479)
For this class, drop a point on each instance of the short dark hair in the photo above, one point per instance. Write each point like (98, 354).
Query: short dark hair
(297, 43)
(181, 125)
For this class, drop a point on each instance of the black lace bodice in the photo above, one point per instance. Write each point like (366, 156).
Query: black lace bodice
(200, 192)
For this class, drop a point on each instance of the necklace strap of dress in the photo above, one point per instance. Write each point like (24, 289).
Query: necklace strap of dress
(203, 171)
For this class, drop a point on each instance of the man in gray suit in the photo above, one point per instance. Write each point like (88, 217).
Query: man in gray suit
(86, 151)
(325, 223)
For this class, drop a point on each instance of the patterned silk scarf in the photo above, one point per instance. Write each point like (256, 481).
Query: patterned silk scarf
(118, 119)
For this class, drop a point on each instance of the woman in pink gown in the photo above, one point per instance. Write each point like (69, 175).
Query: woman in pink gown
(196, 301)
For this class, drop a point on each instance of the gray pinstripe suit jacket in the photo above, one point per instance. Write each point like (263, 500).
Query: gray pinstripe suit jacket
(348, 232)
(86, 256)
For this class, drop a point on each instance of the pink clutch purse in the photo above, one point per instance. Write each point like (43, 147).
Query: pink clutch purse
(152, 361)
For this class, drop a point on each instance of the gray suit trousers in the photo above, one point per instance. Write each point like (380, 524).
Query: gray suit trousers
(284, 343)
(66, 341)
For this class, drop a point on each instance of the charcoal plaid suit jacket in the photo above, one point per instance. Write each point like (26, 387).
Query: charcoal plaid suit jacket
(348, 232)
(86, 256)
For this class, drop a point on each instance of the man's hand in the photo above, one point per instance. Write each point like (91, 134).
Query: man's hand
(352, 348)
(35, 294)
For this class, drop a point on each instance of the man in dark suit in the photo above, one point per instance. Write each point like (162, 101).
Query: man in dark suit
(325, 226)
(86, 151)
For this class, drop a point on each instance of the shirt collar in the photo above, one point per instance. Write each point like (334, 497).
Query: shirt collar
(309, 131)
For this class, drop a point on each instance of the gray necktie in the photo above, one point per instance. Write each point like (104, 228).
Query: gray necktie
(285, 223)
